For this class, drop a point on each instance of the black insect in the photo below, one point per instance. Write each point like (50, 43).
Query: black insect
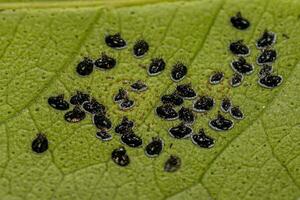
(186, 91)
(236, 112)
(266, 40)
(186, 115)
(58, 102)
(216, 77)
(203, 140)
(265, 70)
(239, 22)
(120, 157)
(226, 104)
(40, 143)
(270, 81)
(241, 66)
(138, 86)
(105, 62)
(79, 98)
(94, 107)
(85, 67)
(172, 164)
(221, 123)
(101, 121)
(140, 48)
(173, 99)
(180, 131)
(121, 95)
(156, 66)
(115, 41)
(236, 80)
(125, 126)
(239, 48)
(126, 104)
(268, 56)
(75, 115)
(131, 140)
(178, 72)
(103, 135)
(154, 148)
(166, 112)
(203, 104)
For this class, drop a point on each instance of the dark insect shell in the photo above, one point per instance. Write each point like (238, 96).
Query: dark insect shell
(186, 115)
(154, 148)
(226, 104)
(268, 56)
(126, 104)
(58, 102)
(203, 140)
(125, 126)
(166, 112)
(178, 72)
(140, 48)
(121, 95)
(131, 140)
(270, 81)
(239, 48)
(173, 99)
(180, 131)
(221, 123)
(265, 70)
(216, 77)
(242, 67)
(172, 164)
(75, 115)
(186, 91)
(266, 40)
(40, 143)
(103, 135)
(94, 107)
(138, 86)
(156, 66)
(236, 113)
(115, 41)
(105, 62)
(85, 67)
(239, 21)
(236, 80)
(101, 121)
(120, 157)
(203, 104)
(79, 98)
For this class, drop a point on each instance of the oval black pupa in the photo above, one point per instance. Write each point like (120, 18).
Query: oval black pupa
(226, 104)
(180, 131)
(178, 72)
(173, 99)
(216, 78)
(266, 40)
(40, 143)
(239, 48)
(186, 115)
(120, 157)
(125, 126)
(75, 115)
(172, 164)
(79, 98)
(115, 41)
(58, 102)
(103, 135)
(85, 67)
(239, 22)
(268, 56)
(105, 62)
(131, 140)
(139, 86)
(236, 112)
(121, 95)
(241, 66)
(270, 81)
(101, 121)
(221, 123)
(203, 140)
(265, 70)
(186, 91)
(126, 104)
(203, 104)
(94, 107)
(236, 80)
(156, 66)
(154, 148)
(166, 112)
(140, 48)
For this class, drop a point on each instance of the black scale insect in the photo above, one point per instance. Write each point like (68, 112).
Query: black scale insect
(180, 131)
(266, 40)
(138, 86)
(167, 112)
(101, 121)
(103, 135)
(154, 148)
(236, 113)
(172, 164)
(270, 81)
(105, 62)
(265, 70)
(140, 48)
(121, 95)
(115, 41)
(173, 99)
(203, 104)
(226, 104)
(241, 66)
(156, 66)
(94, 107)
(236, 80)
(120, 157)
(239, 48)
(126, 104)
(268, 56)
(186, 91)
(221, 123)
(239, 21)
(216, 78)
(186, 115)
(203, 140)
(79, 98)
(85, 67)
(131, 139)
(58, 102)
(75, 115)
(125, 126)
(40, 143)
(178, 72)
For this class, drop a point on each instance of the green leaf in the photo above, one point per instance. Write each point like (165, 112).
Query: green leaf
(40, 45)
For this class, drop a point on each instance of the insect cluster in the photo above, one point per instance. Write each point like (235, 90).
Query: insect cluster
(171, 107)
